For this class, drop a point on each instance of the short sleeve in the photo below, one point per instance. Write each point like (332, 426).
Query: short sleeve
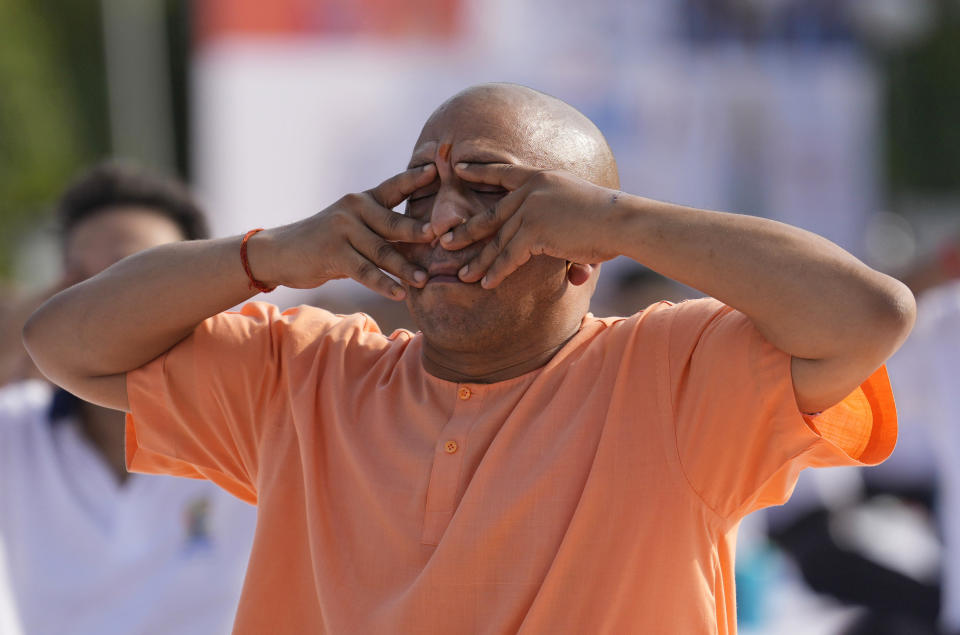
(202, 409)
(740, 436)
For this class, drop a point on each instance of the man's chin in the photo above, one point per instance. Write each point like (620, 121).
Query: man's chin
(451, 310)
(447, 290)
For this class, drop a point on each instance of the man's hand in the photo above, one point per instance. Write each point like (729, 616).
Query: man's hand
(86, 338)
(353, 238)
(547, 212)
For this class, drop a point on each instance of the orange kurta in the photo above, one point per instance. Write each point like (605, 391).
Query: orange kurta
(598, 494)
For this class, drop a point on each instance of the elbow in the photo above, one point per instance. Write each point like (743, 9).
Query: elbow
(42, 341)
(30, 333)
(895, 314)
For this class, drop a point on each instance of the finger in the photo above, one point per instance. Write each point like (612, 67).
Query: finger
(385, 256)
(506, 175)
(484, 224)
(395, 226)
(514, 255)
(578, 274)
(370, 276)
(397, 188)
(477, 268)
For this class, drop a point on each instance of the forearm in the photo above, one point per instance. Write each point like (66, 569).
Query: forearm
(87, 337)
(135, 310)
(836, 317)
(806, 295)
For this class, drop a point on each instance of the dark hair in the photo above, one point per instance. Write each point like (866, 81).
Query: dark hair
(112, 184)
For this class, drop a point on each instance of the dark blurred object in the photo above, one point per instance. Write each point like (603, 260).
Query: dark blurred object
(789, 21)
(922, 99)
(894, 603)
(52, 108)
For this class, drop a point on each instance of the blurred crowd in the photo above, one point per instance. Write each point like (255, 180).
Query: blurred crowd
(87, 548)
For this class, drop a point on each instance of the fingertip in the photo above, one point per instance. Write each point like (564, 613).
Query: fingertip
(578, 274)
(423, 174)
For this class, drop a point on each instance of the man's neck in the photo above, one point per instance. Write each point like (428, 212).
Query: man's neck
(104, 429)
(499, 362)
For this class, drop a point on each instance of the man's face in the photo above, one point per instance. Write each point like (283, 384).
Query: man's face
(105, 237)
(460, 315)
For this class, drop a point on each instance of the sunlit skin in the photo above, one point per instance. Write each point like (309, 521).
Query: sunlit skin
(471, 332)
(514, 185)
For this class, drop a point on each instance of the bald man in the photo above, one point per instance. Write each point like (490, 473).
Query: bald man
(517, 465)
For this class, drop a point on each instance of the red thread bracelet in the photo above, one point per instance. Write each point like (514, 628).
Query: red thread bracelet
(254, 283)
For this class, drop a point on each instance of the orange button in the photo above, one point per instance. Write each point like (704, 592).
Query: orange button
(464, 393)
(450, 447)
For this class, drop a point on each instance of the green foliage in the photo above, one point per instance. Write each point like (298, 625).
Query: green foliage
(39, 146)
(922, 106)
(54, 118)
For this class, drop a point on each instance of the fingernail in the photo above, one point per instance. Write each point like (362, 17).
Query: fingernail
(446, 237)
(426, 167)
(483, 282)
(419, 276)
(463, 271)
(426, 229)
(462, 165)
(397, 292)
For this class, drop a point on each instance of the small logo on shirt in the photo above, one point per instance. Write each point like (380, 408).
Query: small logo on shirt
(196, 518)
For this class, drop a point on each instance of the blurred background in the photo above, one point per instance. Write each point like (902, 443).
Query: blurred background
(837, 116)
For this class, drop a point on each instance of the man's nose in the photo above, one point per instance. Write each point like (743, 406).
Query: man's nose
(450, 208)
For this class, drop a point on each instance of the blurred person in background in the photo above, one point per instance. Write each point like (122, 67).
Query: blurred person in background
(926, 378)
(91, 549)
(15, 308)
(471, 476)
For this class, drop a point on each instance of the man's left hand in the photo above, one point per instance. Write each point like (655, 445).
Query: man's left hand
(545, 212)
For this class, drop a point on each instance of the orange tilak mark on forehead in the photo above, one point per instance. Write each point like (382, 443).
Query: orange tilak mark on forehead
(444, 151)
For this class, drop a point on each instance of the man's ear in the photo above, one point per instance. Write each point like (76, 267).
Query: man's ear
(578, 274)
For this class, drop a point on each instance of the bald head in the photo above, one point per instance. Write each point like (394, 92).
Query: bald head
(553, 133)
(498, 124)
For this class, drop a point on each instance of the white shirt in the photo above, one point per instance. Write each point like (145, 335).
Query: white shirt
(9, 620)
(925, 376)
(87, 555)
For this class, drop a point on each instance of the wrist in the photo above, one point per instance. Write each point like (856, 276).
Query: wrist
(259, 262)
(627, 223)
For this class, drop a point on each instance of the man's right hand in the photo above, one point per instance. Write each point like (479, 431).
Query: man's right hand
(353, 238)
(86, 338)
